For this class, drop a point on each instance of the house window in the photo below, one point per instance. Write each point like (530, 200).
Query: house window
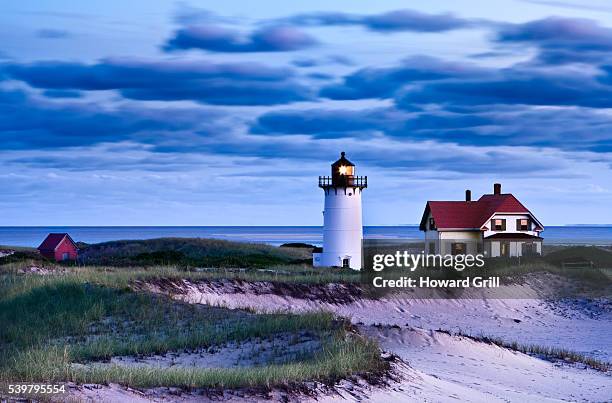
(498, 224)
(346, 262)
(458, 248)
(522, 224)
(65, 256)
(432, 224)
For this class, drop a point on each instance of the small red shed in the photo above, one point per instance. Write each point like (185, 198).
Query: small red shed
(59, 247)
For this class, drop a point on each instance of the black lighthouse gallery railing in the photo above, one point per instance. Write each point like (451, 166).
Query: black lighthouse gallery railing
(340, 181)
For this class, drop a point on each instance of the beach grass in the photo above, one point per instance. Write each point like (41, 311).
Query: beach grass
(53, 327)
(123, 276)
(546, 352)
(338, 359)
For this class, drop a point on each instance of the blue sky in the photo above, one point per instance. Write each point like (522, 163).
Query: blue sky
(225, 113)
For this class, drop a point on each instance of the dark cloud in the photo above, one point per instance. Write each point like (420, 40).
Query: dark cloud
(49, 33)
(224, 92)
(205, 82)
(334, 123)
(385, 82)
(405, 140)
(306, 62)
(568, 129)
(314, 62)
(514, 87)
(26, 123)
(392, 21)
(553, 32)
(392, 154)
(561, 40)
(328, 123)
(216, 39)
(62, 94)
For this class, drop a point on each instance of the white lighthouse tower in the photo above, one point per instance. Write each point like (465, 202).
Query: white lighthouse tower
(342, 227)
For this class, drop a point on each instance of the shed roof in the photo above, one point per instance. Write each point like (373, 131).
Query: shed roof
(53, 240)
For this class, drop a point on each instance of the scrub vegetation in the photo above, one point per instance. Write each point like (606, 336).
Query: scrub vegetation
(188, 252)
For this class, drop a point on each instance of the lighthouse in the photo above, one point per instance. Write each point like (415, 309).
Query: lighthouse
(342, 227)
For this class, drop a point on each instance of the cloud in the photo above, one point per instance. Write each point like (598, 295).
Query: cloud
(62, 94)
(217, 39)
(374, 82)
(328, 123)
(330, 59)
(394, 154)
(520, 126)
(560, 40)
(381, 137)
(27, 123)
(554, 32)
(514, 87)
(204, 82)
(50, 33)
(392, 21)
(571, 5)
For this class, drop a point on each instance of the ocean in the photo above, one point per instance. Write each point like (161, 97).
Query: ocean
(33, 236)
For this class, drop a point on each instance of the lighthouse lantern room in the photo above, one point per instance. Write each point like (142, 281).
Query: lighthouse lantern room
(342, 225)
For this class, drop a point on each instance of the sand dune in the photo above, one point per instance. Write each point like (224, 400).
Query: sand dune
(433, 365)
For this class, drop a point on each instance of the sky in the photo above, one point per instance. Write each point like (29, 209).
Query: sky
(225, 113)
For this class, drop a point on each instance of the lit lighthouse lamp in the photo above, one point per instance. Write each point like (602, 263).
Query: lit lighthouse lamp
(342, 227)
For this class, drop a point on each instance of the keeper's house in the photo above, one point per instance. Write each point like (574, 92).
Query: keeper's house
(496, 225)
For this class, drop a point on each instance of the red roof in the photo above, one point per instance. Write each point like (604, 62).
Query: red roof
(471, 214)
(53, 240)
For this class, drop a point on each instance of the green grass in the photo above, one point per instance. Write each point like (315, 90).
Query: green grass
(49, 324)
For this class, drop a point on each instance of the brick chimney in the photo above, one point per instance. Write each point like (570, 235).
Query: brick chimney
(468, 195)
(497, 188)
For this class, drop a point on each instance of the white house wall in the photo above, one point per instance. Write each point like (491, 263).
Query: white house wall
(510, 224)
(465, 235)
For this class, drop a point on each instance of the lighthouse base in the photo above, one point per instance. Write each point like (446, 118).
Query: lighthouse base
(346, 260)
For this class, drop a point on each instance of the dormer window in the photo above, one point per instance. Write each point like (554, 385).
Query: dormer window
(498, 224)
(522, 224)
